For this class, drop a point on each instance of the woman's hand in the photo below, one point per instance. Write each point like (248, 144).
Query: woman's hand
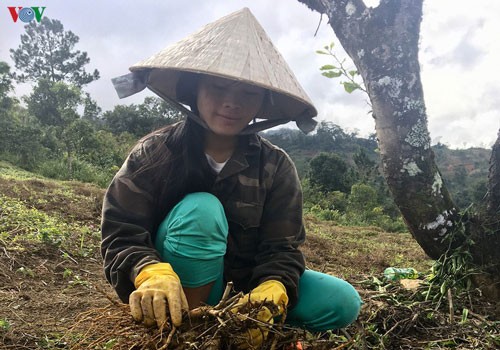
(158, 287)
(271, 291)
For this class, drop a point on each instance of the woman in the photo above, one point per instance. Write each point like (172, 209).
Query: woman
(207, 200)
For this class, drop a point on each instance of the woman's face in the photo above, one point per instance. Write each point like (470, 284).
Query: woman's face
(228, 106)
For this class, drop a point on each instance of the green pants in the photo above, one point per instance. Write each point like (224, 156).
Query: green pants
(192, 238)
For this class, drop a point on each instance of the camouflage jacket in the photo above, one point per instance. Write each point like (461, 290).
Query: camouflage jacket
(260, 191)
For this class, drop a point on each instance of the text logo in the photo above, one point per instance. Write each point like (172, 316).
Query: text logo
(26, 14)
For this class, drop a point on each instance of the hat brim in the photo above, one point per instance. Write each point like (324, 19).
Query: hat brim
(163, 81)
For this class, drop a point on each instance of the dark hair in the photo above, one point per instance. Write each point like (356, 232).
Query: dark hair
(187, 88)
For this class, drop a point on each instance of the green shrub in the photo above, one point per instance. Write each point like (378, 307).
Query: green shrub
(326, 214)
(360, 208)
(80, 171)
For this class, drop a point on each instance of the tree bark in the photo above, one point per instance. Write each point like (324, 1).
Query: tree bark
(383, 44)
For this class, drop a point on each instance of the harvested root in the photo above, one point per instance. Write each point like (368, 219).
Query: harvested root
(206, 327)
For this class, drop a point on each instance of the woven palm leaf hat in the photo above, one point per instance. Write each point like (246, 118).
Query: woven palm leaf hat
(234, 47)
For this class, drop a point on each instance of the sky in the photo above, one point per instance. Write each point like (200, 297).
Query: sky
(459, 54)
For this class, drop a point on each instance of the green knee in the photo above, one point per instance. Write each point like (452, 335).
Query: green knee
(325, 302)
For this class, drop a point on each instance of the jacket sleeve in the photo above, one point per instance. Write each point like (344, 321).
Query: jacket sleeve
(127, 224)
(282, 231)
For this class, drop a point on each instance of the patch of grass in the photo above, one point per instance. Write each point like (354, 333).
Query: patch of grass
(60, 213)
(351, 252)
(21, 222)
(73, 201)
(10, 171)
(17, 219)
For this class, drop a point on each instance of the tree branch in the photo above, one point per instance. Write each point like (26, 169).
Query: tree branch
(315, 5)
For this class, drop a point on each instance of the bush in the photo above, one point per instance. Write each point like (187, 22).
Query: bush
(326, 214)
(360, 208)
(313, 196)
(86, 172)
(81, 171)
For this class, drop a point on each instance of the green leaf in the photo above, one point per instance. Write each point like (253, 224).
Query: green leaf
(4, 324)
(350, 87)
(110, 344)
(443, 288)
(328, 67)
(67, 273)
(331, 45)
(321, 52)
(332, 74)
(353, 73)
(465, 314)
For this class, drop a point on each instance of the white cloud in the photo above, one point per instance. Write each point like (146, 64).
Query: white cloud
(459, 54)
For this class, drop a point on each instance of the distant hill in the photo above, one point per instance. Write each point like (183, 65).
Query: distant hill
(464, 171)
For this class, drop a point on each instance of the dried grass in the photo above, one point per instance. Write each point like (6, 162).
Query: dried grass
(392, 318)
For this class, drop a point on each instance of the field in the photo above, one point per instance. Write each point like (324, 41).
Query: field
(53, 294)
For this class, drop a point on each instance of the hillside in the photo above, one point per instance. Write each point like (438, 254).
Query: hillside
(464, 171)
(53, 294)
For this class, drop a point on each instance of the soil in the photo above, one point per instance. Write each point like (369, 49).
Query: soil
(56, 297)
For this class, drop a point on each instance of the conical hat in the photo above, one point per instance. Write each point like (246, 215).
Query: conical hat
(238, 48)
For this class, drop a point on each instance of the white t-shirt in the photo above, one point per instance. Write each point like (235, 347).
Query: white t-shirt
(215, 165)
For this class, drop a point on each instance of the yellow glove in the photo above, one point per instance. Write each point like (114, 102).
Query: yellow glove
(272, 291)
(158, 285)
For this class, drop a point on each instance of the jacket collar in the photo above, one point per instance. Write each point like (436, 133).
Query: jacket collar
(249, 146)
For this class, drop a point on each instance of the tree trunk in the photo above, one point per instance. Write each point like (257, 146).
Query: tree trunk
(383, 44)
(494, 183)
(70, 163)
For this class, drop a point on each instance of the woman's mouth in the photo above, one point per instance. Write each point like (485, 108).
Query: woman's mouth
(229, 117)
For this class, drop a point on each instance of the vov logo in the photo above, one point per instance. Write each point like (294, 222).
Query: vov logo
(26, 14)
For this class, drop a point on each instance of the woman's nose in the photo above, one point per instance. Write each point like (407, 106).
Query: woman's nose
(232, 99)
